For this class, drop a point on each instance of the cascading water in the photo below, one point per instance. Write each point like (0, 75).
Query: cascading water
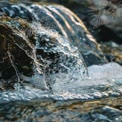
(50, 52)
(52, 42)
(42, 50)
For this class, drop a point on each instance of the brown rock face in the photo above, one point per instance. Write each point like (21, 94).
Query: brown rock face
(13, 57)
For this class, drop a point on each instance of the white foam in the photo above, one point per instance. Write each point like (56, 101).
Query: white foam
(106, 75)
(107, 71)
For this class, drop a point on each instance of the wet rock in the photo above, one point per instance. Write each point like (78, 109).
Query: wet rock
(112, 51)
(12, 48)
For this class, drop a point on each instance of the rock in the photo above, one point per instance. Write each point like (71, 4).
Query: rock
(112, 51)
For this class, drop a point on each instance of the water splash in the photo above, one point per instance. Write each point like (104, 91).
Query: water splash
(55, 52)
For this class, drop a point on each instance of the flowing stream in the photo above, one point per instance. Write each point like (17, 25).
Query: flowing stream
(55, 46)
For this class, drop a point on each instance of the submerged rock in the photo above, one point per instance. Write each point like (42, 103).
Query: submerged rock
(53, 111)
